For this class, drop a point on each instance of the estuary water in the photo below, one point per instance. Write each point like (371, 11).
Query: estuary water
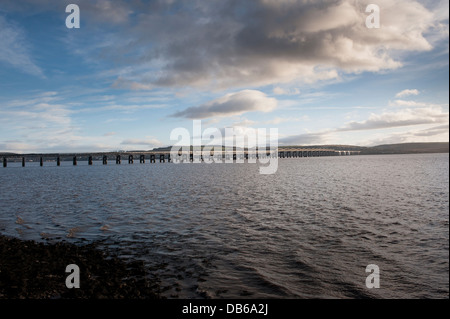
(225, 231)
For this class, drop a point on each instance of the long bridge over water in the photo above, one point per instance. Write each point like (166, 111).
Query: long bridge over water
(163, 156)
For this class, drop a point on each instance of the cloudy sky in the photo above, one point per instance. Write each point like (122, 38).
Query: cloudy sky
(135, 70)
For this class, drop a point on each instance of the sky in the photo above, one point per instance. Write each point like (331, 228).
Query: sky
(136, 70)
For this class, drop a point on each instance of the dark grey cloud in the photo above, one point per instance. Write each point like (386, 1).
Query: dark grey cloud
(231, 43)
(252, 43)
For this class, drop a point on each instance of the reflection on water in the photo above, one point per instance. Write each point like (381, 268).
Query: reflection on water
(225, 231)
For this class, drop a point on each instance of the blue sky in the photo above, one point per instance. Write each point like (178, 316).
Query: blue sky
(136, 70)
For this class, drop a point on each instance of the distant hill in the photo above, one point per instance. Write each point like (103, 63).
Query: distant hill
(407, 148)
(337, 147)
(403, 148)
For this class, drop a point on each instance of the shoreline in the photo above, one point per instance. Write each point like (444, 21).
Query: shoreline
(35, 270)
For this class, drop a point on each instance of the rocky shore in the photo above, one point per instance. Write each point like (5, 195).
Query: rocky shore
(34, 270)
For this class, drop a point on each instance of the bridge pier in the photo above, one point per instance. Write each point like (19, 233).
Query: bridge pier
(191, 157)
(74, 161)
(105, 160)
(162, 158)
(130, 159)
(5, 162)
(118, 159)
(169, 159)
(23, 161)
(90, 161)
(58, 161)
(41, 161)
(142, 159)
(152, 158)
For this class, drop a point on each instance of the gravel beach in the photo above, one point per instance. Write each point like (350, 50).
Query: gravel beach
(34, 270)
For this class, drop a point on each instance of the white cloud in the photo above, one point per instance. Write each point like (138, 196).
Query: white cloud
(244, 122)
(149, 142)
(431, 134)
(408, 103)
(44, 123)
(306, 139)
(14, 50)
(281, 91)
(241, 136)
(407, 92)
(404, 117)
(231, 104)
(279, 120)
(426, 124)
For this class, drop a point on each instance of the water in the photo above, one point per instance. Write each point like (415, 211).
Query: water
(225, 231)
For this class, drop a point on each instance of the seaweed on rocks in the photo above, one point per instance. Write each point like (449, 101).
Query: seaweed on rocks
(35, 270)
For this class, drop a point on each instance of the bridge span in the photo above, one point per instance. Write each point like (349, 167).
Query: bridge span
(163, 156)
